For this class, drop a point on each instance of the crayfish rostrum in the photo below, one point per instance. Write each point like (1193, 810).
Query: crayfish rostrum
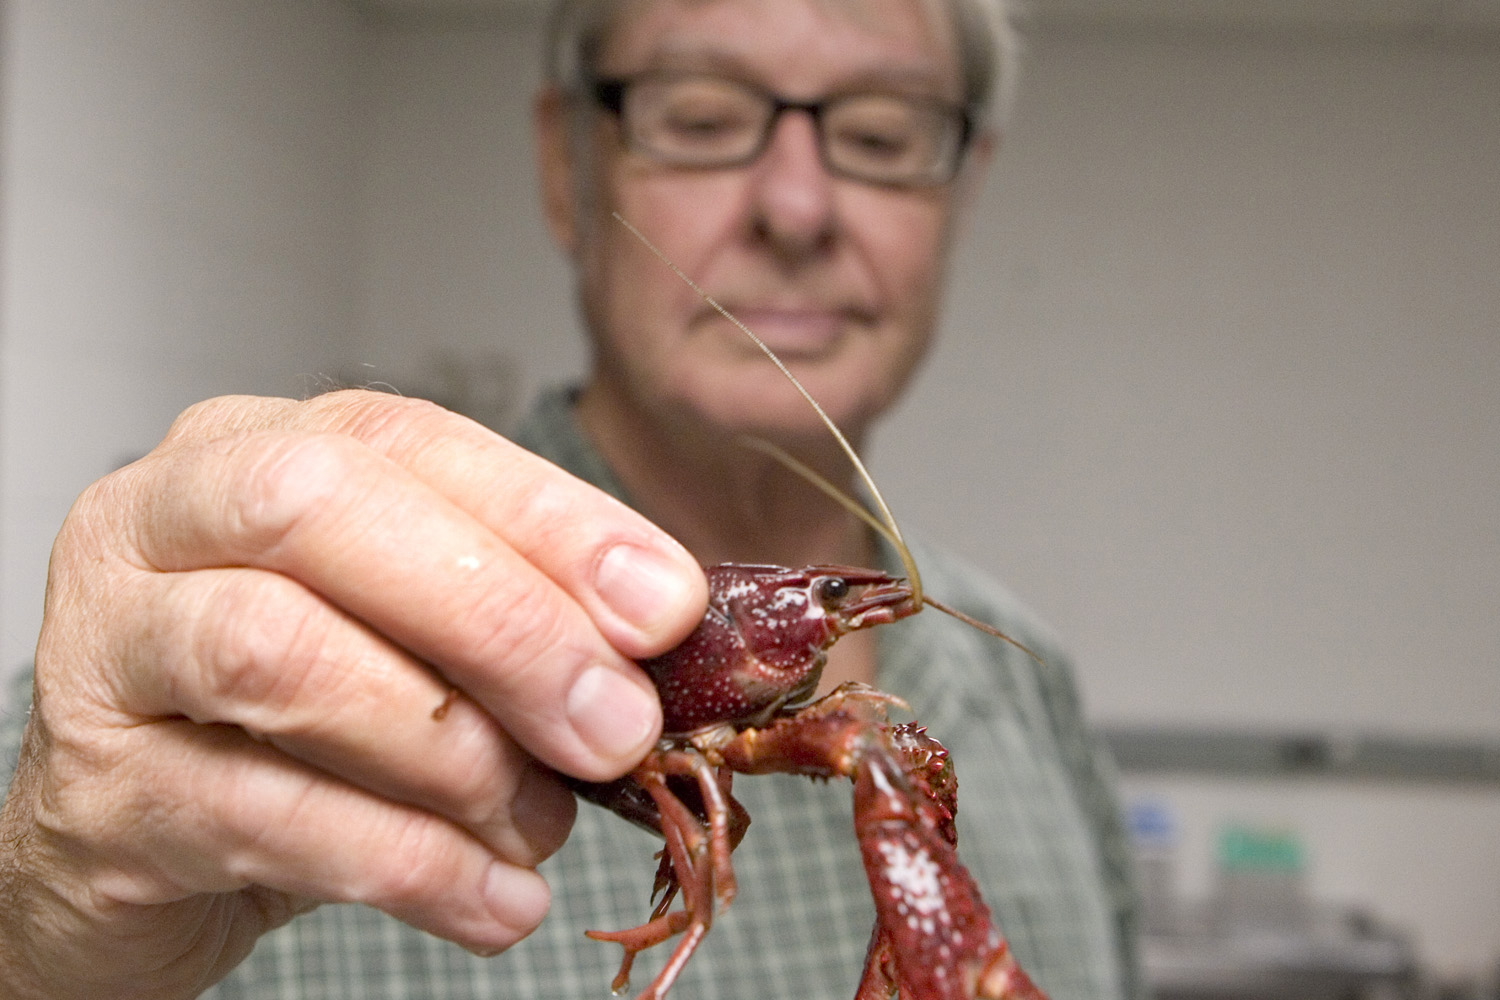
(735, 698)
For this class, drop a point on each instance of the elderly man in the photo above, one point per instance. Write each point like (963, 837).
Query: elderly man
(249, 631)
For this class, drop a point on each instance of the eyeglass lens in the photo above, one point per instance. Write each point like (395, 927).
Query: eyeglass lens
(711, 121)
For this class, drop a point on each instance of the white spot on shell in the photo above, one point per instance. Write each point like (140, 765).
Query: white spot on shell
(787, 597)
(918, 877)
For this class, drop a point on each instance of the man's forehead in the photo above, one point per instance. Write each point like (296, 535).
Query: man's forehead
(900, 42)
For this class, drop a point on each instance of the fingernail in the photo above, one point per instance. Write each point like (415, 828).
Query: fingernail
(612, 714)
(645, 587)
(516, 898)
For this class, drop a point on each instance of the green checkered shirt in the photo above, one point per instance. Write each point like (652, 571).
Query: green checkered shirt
(1037, 825)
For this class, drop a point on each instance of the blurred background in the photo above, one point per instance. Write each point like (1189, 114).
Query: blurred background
(1219, 392)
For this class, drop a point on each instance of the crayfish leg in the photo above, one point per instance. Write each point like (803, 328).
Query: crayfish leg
(696, 864)
(638, 939)
(686, 847)
(717, 806)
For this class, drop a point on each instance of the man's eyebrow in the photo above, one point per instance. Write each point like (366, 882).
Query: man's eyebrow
(928, 81)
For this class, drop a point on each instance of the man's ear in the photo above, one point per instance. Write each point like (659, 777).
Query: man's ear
(555, 167)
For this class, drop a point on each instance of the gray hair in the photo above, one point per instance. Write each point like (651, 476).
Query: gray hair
(987, 49)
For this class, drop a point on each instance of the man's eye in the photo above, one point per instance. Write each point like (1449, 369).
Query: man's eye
(875, 143)
(876, 133)
(702, 122)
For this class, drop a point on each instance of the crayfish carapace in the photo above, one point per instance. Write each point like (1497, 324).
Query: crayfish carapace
(735, 700)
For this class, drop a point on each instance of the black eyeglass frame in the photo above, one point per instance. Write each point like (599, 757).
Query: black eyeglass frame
(609, 93)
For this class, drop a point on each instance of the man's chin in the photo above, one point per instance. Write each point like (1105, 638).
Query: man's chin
(778, 412)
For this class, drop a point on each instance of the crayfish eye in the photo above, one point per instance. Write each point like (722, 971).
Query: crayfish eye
(832, 589)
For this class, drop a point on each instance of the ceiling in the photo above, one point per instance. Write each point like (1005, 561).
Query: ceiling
(1414, 17)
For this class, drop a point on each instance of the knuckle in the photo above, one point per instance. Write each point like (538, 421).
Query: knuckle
(256, 803)
(81, 540)
(483, 790)
(213, 416)
(257, 642)
(479, 786)
(522, 636)
(382, 419)
(562, 511)
(95, 525)
(356, 402)
(418, 861)
(283, 480)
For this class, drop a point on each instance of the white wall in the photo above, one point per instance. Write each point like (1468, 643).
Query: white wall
(455, 256)
(1216, 392)
(1223, 378)
(178, 215)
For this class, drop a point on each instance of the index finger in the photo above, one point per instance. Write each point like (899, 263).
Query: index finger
(394, 518)
(640, 586)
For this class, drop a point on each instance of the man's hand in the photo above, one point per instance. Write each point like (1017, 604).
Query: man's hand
(320, 651)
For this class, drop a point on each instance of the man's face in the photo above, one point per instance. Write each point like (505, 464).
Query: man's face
(839, 276)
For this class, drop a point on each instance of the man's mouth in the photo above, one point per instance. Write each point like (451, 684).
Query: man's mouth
(793, 331)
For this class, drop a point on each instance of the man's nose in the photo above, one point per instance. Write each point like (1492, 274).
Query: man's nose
(792, 191)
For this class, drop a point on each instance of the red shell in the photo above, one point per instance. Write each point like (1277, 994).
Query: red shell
(763, 640)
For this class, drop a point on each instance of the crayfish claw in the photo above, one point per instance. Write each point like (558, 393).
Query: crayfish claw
(934, 935)
(1003, 979)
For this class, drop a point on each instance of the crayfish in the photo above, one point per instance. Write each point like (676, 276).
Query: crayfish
(735, 700)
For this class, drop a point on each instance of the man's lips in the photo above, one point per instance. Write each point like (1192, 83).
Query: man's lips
(794, 330)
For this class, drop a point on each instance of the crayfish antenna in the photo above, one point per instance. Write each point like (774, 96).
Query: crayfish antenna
(984, 627)
(886, 526)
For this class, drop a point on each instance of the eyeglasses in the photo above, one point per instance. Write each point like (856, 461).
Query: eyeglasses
(705, 121)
